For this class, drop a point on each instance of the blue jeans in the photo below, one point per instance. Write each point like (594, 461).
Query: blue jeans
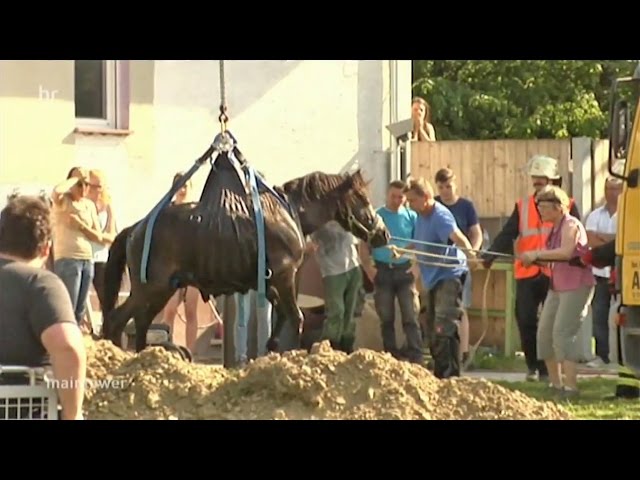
(243, 305)
(77, 276)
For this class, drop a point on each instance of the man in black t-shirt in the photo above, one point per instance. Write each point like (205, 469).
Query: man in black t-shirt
(466, 217)
(37, 322)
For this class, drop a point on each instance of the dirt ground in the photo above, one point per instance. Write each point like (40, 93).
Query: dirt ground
(323, 384)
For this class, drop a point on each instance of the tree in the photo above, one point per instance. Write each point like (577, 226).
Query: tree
(518, 98)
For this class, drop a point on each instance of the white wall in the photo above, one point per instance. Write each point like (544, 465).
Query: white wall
(291, 117)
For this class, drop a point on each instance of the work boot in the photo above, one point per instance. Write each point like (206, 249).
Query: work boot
(346, 345)
(532, 376)
(446, 357)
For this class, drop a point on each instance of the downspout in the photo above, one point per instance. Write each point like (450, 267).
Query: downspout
(394, 163)
(406, 147)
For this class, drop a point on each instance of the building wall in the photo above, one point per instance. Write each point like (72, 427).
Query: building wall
(290, 118)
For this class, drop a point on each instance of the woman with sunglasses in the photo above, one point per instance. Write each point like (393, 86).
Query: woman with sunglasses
(76, 225)
(570, 291)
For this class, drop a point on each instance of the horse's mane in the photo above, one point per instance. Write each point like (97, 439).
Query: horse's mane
(316, 185)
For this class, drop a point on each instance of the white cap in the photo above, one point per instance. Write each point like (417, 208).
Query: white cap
(543, 166)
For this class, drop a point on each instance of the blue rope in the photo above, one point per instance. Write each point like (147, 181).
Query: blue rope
(153, 215)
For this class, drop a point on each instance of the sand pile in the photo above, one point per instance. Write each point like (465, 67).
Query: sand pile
(155, 384)
(324, 384)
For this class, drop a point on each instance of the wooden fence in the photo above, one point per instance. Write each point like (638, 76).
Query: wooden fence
(491, 173)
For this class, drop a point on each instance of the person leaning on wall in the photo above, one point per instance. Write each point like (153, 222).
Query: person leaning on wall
(423, 130)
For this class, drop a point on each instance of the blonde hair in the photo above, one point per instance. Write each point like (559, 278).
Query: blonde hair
(554, 194)
(420, 186)
(104, 196)
(427, 108)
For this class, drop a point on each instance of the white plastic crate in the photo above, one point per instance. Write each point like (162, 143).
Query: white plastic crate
(33, 400)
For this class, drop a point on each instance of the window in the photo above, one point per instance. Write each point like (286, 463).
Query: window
(96, 98)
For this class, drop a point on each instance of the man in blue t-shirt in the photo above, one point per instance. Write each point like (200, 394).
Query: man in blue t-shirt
(393, 278)
(467, 220)
(442, 275)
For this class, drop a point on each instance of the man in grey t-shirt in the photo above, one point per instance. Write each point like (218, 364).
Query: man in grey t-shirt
(37, 322)
(337, 256)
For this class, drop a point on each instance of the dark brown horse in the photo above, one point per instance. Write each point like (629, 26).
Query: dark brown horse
(212, 245)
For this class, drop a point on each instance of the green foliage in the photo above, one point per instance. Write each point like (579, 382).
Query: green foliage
(518, 98)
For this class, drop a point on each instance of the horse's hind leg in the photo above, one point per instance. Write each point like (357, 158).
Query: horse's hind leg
(287, 309)
(118, 320)
(144, 317)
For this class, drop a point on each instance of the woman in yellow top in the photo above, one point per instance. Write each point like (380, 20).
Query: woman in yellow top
(76, 225)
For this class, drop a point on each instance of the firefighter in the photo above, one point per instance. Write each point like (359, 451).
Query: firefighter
(526, 232)
(628, 384)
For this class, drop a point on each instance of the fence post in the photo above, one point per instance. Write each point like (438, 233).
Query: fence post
(581, 188)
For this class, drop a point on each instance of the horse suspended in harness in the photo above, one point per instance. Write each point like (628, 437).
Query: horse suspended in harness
(241, 235)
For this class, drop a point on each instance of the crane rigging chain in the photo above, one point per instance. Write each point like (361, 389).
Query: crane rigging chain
(223, 117)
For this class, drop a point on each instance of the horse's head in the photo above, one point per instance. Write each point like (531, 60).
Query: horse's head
(355, 212)
(321, 197)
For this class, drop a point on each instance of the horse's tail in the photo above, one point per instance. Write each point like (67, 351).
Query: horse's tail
(113, 273)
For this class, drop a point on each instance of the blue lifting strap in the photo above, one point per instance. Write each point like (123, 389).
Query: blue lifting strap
(259, 218)
(283, 201)
(153, 215)
(221, 142)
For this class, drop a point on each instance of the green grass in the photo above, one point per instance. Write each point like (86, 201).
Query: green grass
(487, 360)
(591, 404)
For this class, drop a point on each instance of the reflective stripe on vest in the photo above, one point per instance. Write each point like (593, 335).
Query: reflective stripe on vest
(525, 230)
(533, 236)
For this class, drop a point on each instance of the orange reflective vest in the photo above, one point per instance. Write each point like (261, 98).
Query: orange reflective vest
(533, 236)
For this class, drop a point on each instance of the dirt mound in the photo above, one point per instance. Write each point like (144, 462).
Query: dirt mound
(324, 384)
(327, 385)
(154, 384)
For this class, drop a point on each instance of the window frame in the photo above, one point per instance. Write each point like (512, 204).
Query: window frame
(113, 102)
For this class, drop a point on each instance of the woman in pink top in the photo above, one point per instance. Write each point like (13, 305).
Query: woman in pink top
(570, 292)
